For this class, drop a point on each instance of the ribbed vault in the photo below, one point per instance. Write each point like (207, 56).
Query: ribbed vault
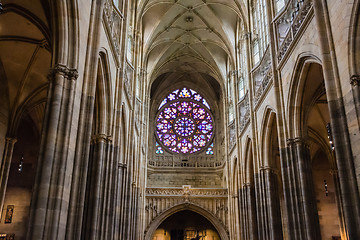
(193, 37)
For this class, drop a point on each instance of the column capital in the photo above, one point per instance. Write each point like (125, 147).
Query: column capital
(63, 70)
(247, 185)
(355, 80)
(122, 165)
(11, 140)
(333, 172)
(73, 74)
(268, 169)
(101, 138)
(297, 140)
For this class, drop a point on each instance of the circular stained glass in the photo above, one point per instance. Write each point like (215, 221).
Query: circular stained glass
(184, 126)
(184, 123)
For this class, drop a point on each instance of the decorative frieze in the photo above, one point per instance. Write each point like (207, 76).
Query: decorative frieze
(187, 190)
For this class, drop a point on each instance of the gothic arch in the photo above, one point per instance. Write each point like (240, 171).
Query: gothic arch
(354, 42)
(266, 133)
(297, 86)
(249, 163)
(220, 228)
(65, 25)
(103, 97)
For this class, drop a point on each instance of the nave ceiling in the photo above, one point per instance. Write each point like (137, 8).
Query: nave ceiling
(193, 39)
(24, 61)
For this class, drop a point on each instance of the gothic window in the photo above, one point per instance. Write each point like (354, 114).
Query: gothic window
(279, 5)
(184, 123)
(260, 29)
(242, 77)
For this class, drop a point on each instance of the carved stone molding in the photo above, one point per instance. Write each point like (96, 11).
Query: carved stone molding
(101, 138)
(11, 140)
(73, 74)
(151, 206)
(355, 80)
(297, 140)
(244, 110)
(122, 165)
(186, 191)
(268, 169)
(63, 70)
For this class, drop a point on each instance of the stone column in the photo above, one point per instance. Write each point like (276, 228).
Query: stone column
(272, 204)
(339, 126)
(303, 191)
(251, 208)
(50, 195)
(95, 185)
(5, 168)
(259, 196)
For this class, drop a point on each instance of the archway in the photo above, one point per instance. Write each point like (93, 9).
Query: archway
(208, 219)
(311, 133)
(185, 224)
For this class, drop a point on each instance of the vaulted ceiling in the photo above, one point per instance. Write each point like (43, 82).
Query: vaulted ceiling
(24, 62)
(192, 39)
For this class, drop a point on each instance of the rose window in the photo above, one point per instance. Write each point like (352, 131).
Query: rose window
(184, 123)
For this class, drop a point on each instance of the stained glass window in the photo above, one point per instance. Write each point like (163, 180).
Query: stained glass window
(209, 150)
(159, 149)
(184, 123)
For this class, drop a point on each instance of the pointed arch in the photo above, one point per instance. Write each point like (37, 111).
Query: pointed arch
(103, 96)
(220, 228)
(354, 35)
(268, 121)
(249, 163)
(297, 86)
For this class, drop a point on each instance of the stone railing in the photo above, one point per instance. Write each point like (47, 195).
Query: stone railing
(262, 76)
(232, 135)
(114, 24)
(244, 112)
(261, 89)
(289, 23)
(185, 162)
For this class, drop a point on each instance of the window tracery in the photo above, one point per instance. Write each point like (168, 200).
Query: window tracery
(259, 21)
(184, 123)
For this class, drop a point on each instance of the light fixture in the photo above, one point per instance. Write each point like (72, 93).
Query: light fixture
(331, 142)
(1, 8)
(326, 188)
(20, 167)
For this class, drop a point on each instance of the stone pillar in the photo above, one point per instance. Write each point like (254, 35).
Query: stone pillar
(251, 208)
(95, 187)
(339, 126)
(303, 193)
(5, 168)
(259, 196)
(242, 216)
(121, 191)
(50, 195)
(272, 204)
